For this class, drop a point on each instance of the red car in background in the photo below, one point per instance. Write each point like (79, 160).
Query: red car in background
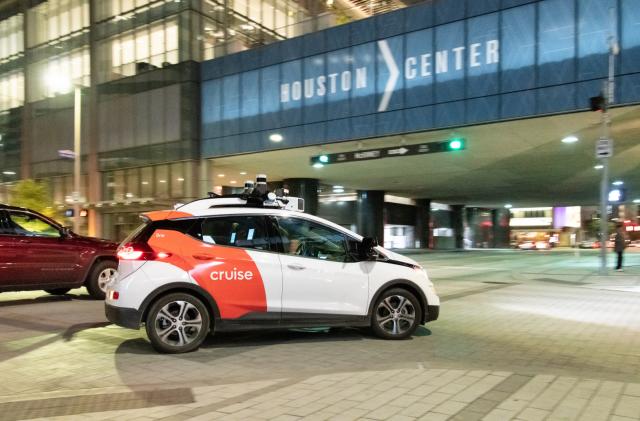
(38, 253)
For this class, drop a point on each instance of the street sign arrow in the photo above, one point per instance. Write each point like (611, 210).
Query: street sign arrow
(399, 151)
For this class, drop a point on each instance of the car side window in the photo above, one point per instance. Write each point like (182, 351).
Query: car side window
(305, 238)
(5, 226)
(31, 225)
(244, 231)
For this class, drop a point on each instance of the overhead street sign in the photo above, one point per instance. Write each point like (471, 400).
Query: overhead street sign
(604, 148)
(405, 150)
(66, 153)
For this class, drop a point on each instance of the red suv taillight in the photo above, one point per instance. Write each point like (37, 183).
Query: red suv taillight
(139, 251)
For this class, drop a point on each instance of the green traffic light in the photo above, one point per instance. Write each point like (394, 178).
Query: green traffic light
(323, 158)
(456, 144)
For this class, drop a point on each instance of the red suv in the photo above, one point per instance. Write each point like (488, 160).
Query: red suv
(38, 253)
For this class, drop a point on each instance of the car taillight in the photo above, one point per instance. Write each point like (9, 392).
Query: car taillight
(140, 251)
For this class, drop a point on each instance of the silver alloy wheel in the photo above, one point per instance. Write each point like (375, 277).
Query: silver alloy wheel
(105, 277)
(178, 323)
(395, 314)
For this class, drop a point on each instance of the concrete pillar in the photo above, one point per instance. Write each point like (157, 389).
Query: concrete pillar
(370, 214)
(25, 124)
(501, 231)
(473, 222)
(92, 144)
(205, 178)
(423, 216)
(306, 188)
(457, 224)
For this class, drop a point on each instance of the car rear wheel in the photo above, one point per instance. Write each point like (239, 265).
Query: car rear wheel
(58, 291)
(396, 314)
(101, 274)
(177, 323)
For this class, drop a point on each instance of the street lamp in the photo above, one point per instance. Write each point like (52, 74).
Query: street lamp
(60, 83)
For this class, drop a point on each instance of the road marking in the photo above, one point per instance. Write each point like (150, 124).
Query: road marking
(468, 292)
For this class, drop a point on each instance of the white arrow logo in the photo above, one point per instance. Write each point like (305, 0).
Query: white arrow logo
(399, 151)
(394, 72)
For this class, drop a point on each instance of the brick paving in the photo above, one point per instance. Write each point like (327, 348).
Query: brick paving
(526, 336)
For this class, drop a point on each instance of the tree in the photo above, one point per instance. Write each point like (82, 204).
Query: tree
(33, 195)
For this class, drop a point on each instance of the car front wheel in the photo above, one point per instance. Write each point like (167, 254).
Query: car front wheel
(396, 314)
(177, 323)
(101, 274)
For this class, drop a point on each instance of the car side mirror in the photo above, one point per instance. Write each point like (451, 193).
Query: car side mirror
(367, 248)
(65, 232)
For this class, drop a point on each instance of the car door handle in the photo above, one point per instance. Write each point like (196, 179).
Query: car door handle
(295, 266)
(25, 241)
(203, 257)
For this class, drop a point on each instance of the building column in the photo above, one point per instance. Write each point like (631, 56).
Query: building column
(423, 216)
(370, 214)
(92, 144)
(473, 222)
(307, 189)
(457, 224)
(501, 231)
(204, 177)
(25, 123)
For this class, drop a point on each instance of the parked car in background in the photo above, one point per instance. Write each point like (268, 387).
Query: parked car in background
(38, 253)
(534, 245)
(589, 244)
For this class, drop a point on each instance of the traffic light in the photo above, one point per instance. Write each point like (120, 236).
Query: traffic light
(319, 161)
(597, 103)
(455, 144)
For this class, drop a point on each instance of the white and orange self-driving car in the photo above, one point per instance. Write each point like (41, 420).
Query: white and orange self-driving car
(255, 260)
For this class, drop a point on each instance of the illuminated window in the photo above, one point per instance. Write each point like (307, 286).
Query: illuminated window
(56, 18)
(145, 48)
(11, 90)
(117, 8)
(11, 37)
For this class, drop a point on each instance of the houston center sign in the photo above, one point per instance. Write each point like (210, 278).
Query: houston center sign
(422, 65)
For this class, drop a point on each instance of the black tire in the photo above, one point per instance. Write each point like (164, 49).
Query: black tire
(396, 314)
(95, 279)
(58, 291)
(176, 334)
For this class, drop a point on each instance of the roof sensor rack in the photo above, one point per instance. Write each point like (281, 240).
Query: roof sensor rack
(255, 195)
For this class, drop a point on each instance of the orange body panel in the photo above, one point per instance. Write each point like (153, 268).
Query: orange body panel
(229, 274)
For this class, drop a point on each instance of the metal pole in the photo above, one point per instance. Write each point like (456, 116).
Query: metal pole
(604, 191)
(606, 133)
(77, 114)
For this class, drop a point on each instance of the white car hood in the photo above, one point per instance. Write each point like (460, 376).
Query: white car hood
(395, 256)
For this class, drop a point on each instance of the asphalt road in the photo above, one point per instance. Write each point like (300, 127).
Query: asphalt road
(504, 313)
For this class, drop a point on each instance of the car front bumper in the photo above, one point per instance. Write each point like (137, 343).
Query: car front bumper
(432, 313)
(122, 316)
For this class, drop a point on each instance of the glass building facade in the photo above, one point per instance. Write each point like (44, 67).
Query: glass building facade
(137, 64)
